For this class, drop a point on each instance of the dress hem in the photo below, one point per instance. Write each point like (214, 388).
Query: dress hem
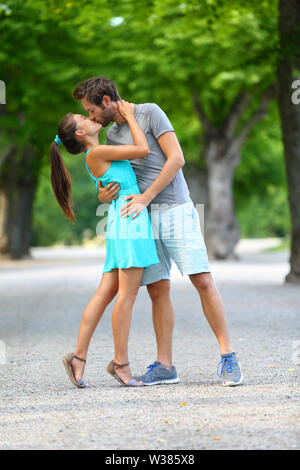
(127, 267)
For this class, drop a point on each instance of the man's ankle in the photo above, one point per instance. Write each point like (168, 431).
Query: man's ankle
(226, 351)
(166, 364)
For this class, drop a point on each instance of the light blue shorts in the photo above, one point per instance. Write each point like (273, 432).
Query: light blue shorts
(178, 236)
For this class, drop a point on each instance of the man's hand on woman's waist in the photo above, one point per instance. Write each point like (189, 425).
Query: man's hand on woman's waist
(108, 193)
(138, 203)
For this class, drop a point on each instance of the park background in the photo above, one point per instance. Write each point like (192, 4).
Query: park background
(211, 65)
(224, 72)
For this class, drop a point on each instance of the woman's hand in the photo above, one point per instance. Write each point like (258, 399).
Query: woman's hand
(125, 109)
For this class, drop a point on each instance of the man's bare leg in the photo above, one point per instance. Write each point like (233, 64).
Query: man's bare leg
(213, 308)
(230, 369)
(163, 319)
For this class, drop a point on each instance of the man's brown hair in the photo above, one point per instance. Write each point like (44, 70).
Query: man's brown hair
(95, 88)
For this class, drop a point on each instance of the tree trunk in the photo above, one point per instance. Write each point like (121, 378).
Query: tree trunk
(221, 227)
(288, 70)
(15, 220)
(196, 178)
(17, 190)
(221, 153)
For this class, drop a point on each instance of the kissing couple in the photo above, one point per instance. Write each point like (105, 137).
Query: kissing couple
(139, 172)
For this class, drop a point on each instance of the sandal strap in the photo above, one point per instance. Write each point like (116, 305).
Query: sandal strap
(117, 366)
(80, 359)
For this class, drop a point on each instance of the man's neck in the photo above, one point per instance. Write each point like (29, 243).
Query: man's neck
(119, 120)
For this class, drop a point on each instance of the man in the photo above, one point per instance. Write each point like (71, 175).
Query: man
(161, 182)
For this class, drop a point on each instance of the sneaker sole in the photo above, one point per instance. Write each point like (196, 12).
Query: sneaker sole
(160, 382)
(234, 384)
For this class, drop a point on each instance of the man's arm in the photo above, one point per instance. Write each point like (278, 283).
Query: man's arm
(175, 160)
(108, 193)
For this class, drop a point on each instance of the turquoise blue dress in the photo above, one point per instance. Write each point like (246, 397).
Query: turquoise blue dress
(129, 243)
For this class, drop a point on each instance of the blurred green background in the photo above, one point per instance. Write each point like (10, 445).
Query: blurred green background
(161, 51)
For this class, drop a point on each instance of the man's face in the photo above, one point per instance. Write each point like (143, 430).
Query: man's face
(103, 116)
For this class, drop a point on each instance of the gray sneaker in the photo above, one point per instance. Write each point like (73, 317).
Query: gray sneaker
(231, 372)
(158, 374)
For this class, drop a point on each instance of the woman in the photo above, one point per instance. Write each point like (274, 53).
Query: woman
(126, 253)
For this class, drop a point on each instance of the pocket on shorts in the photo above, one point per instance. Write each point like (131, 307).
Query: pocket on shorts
(189, 220)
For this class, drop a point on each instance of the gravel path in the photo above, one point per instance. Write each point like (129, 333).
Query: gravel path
(41, 303)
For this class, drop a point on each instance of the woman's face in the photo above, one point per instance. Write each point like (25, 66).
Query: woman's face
(87, 126)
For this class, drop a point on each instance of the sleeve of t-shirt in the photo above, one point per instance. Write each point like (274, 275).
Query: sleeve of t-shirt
(159, 121)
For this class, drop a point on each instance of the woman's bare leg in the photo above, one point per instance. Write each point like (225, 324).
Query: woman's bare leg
(92, 314)
(129, 283)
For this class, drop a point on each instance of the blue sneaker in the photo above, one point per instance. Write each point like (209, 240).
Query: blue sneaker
(231, 372)
(158, 374)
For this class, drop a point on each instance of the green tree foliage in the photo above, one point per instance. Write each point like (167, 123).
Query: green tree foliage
(41, 57)
(260, 189)
(160, 51)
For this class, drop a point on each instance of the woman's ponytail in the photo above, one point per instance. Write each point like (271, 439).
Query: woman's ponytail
(60, 178)
(61, 181)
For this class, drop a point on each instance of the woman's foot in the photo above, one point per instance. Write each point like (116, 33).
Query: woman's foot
(77, 368)
(122, 373)
(71, 366)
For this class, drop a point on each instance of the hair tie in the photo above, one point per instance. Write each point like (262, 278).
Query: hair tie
(57, 140)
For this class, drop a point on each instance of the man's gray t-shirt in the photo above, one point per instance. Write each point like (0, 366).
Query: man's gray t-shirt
(154, 122)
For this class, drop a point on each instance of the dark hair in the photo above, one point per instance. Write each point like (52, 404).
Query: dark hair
(60, 178)
(95, 88)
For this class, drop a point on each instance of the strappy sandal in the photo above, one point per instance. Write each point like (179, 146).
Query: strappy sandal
(111, 369)
(67, 362)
